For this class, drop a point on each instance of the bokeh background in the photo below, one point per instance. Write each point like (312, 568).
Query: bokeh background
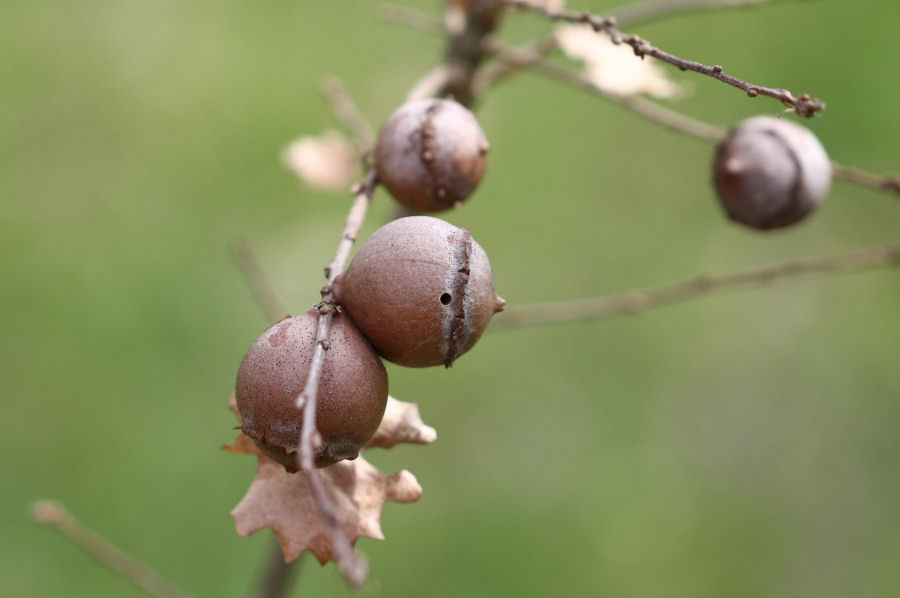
(745, 444)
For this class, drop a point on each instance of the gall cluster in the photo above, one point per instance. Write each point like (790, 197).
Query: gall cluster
(418, 293)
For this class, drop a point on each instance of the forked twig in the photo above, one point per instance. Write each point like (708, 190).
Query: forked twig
(637, 301)
(804, 105)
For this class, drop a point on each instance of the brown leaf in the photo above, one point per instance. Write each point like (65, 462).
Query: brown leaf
(325, 162)
(356, 489)
(401, 423)
(285, 502)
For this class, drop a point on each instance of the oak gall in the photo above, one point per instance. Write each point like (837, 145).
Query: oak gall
(421, 290)
(352, 393)
(431, 154)
(771, 173)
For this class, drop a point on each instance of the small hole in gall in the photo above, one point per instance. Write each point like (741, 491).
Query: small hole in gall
(445, 299)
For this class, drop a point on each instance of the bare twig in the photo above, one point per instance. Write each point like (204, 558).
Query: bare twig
(652, 10)
(629, 14)
(55, 515)
(353, 568)
(525, 58)
(278, 576)
(403, 15)
(638, 301)
(653, 111)
(889, 183)
(348, 114)
(803, 105)
(245, 260)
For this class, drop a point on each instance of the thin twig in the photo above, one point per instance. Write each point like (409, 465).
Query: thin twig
(524, 58)
(409, 17)
(278, 576)
(804, 105)
(55, 515)
(652, 10)
(245, 260)
(348, 114)
(889, 183)
(647, 108)
(638, 301)
(353, 568)
(629, 14)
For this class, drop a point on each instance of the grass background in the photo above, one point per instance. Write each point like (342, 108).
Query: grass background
(743, 445)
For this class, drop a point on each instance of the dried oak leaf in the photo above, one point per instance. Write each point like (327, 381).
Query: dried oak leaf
(327, 162)
(356, 489)
(614, 68)
(401, 423)
(285, 502)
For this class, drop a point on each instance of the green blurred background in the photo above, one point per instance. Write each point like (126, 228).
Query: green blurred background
(746, 444)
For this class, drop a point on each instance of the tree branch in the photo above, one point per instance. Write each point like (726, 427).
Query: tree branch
(803, 105)
(55, 515)
(637, 301)
(346, 558)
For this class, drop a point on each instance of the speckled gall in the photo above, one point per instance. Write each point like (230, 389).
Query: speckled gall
(771, 173)
(421, 291)
(352, 393)
(431, 155)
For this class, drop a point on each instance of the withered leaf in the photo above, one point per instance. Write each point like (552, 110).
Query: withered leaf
(401, 423)
(356, 489)
(327, 162)
(285, 502)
